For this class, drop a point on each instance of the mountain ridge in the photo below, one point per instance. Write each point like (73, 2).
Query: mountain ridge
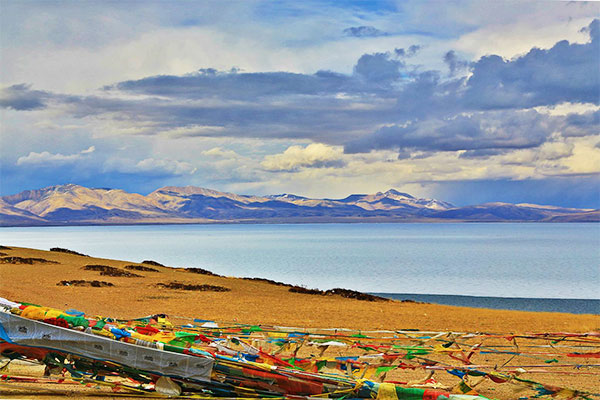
(72, 204)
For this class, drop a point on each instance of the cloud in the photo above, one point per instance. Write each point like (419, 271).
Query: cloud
(567, 72)
(564, 73)
(541, 77)
(364, 31)
(150, 167)
(378, 68)
(555, 150)
(315, 155)
(21, 97)
(593, 29)
(219, 152)
(584, 124)
(167, 166)
(411, 51)
(482, 153)
(89, 150)
(542, 157)
(479, 131)
(45, 158)
(336, 108)
(454, 63)
(209, 83)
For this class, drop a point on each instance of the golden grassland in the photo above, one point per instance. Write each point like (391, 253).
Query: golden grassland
(256, 302)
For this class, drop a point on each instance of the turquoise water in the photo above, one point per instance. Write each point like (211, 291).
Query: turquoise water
(494, 260)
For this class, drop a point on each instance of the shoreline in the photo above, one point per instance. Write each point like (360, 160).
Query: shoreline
(260, 299)
(533, 304)
(301, 221)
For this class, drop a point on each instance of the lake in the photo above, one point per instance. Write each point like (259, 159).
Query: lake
(516, 260)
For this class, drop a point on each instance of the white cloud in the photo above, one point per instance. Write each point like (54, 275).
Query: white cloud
(193, 130)
(290, 172)
(555, 150)
(315, 155)
(89, 150)
(508, 31)
(46, 157)
(150, 166)
(219, 152)
(171, 166)
(585, 158)
(566, 108)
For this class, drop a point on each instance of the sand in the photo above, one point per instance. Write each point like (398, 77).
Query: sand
(256, 302)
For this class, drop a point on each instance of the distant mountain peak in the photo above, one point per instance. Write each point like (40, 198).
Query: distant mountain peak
(190, 190)
(187, 191)
(180, 189)
(394, 192)
(286, 196)
(67, 188)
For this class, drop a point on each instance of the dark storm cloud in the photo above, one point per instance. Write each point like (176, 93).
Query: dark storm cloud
(20, 97)
(378, 68)
(566, 72)
(208, 83)
(482, 131)
(583, 124)
(320, 119)
(364, 31)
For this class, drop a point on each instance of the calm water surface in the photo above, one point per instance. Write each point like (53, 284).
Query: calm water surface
(493, 260)
(573, 306)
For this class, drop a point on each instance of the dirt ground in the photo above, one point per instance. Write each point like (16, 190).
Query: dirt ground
(257, 302)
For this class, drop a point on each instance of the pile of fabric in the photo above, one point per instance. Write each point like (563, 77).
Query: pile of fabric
(203, 358)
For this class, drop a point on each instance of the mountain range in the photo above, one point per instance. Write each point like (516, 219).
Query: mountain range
(77, 205)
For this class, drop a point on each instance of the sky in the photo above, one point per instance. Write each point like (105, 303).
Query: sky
(465, 101)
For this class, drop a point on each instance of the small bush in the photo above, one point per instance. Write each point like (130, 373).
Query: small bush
(110, 271)
(67, 251)
(84, 283)
(150, 262)
(23, 260)
(200, 271)
(267, 281)
(347, 293)
(186, 286)
(141, 268)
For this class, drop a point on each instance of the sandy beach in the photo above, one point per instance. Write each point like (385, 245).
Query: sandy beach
(48, 278)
